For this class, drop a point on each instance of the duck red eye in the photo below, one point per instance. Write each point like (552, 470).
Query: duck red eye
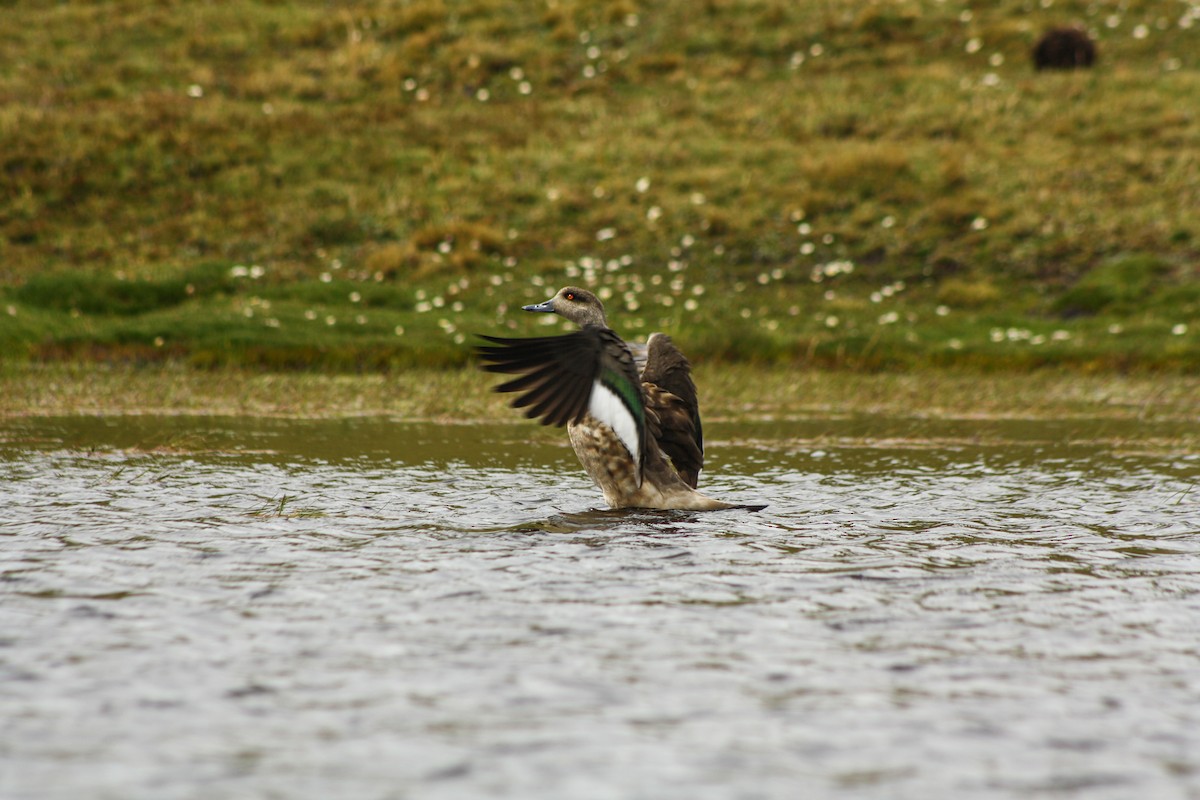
(570, 295)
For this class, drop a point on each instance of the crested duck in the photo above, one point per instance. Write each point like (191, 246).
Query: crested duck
(636, 432)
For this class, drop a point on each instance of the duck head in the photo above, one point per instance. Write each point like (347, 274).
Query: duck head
(578, 305)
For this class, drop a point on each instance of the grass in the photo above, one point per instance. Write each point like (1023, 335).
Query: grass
(359, 187)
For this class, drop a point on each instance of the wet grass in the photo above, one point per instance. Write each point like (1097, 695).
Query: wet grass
(875, 186)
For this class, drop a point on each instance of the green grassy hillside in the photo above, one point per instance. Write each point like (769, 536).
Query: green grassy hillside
(361, 185)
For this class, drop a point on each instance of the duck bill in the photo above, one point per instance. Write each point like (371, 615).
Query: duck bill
(547, 307)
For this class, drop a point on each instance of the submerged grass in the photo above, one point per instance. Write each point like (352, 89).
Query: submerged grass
(358, 187)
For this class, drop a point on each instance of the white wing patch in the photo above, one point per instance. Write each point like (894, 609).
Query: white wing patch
(607, 407)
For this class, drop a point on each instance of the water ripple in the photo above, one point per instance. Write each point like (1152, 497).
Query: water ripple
(446, 619)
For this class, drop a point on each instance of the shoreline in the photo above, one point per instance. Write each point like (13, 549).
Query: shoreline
(727, 392)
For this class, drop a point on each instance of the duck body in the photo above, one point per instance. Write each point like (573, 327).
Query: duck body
(636, 432)
(604, 457)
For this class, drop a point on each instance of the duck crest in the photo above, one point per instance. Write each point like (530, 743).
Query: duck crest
(637, 433)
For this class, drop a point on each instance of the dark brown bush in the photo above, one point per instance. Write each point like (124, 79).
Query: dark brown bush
(1064, 48)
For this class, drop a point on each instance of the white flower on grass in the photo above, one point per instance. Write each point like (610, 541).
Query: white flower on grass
(604, 234)
(1179, 329)
(642, 185)
(195, 91)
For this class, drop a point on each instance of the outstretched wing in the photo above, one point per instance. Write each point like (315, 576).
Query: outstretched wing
(673, 400)
(563, 378)
(556, 373)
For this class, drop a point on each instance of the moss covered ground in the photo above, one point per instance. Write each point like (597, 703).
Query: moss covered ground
(359, 186)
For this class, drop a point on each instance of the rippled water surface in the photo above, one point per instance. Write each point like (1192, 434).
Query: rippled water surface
(224, 608)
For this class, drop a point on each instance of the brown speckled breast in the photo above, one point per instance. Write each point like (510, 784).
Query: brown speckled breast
(611, 468)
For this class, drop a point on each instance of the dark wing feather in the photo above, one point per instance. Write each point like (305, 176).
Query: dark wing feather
(556, 373)
(672, 397)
